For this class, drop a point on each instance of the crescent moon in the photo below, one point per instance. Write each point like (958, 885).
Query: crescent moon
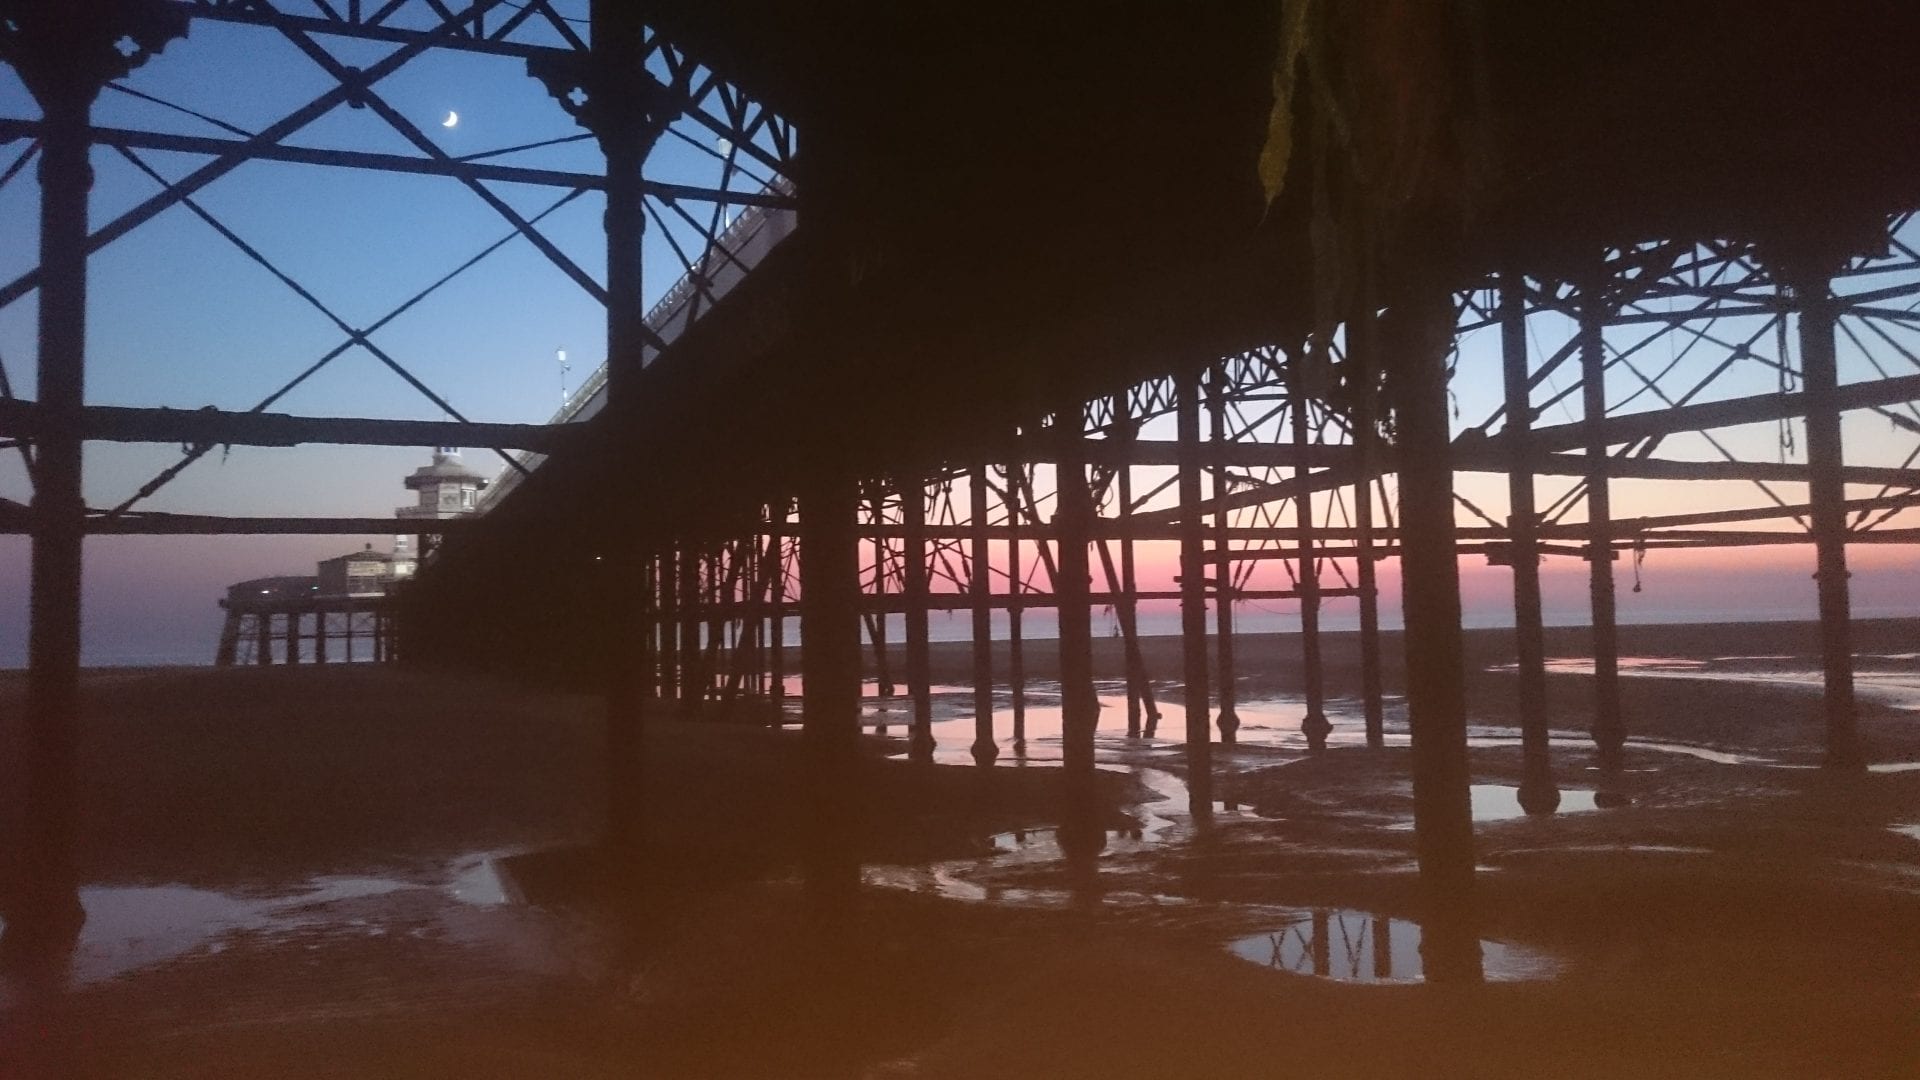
(452, 119)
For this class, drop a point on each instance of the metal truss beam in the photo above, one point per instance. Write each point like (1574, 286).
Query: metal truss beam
(260, 13)
(13, 129)
(208, 427)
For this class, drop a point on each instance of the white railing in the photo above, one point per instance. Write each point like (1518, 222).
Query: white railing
(733, 248)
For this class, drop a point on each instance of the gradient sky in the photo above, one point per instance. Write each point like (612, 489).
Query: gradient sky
(180, 318)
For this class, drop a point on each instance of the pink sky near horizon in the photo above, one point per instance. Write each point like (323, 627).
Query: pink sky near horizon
(155, 597)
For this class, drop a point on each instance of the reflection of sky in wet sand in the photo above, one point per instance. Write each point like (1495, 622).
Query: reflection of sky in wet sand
(1268, 722)
(1501, 802)
(1893, 679)
(133, 927)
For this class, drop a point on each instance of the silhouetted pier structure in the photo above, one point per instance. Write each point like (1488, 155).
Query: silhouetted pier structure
(288, 620)
(936, 393)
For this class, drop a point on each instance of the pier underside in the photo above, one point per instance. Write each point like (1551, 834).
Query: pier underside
(1112, 334)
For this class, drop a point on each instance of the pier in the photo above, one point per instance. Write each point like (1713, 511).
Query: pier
(1050, 319)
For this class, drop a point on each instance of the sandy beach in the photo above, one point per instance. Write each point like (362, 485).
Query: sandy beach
(359, 871)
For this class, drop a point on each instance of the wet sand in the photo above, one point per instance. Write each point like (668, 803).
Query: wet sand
(362, 872)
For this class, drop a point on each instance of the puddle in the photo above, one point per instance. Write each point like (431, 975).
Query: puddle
(481, 884)
(131, 927)
(1345, 945)
(1155, 825)
(1501, 802)
(136, 927)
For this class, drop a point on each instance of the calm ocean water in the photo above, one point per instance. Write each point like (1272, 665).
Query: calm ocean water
(189, 641)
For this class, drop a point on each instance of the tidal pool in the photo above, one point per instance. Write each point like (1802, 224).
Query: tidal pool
(1347, 945)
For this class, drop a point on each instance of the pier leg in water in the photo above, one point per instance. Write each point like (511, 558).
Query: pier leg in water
(626, 131)
(913, 519)
(1609, 734)
(878, 622)
(1082, 833)
(1193, 596)
(980, 597)
(669, 622)
(777, 610)
(1125, 603)
(1538, 793)
(1226, 719)
(65, 58)
(1314, 725)
(1073, 524)
(830, 670)
(1016, 661)
(1810, 277)
(1366, 438)
(1417, 333)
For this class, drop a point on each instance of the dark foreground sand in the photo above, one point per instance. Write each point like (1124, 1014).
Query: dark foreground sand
(328, 833)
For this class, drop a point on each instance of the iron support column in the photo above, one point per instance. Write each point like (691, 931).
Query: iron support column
(1608, 732)
(1016, 660)
(1314, 724)
(1125, 606)
(830, 621)
(1073, 523)
(1418, 336)
(1366, 439)
(777, 606)
(618, 115)
(1827, 491)
(692, 688)
(1538, 793)
(980, 595)
(263, 639)
(830, 602)
(1193, 596)
(668, 620)
(293, 637)
(884, 681)
(913, 522)
(64, 58)
(1225, 719)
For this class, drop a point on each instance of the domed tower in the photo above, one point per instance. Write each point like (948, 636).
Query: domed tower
(447, 488)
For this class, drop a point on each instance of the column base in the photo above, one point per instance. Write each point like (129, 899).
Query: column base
(1316, 727)
(1609, 748)
(985, 753)
(1228, 724)
(1539, 797)
(920, 747)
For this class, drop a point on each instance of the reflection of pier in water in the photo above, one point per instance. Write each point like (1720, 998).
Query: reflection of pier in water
(1357, 946)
